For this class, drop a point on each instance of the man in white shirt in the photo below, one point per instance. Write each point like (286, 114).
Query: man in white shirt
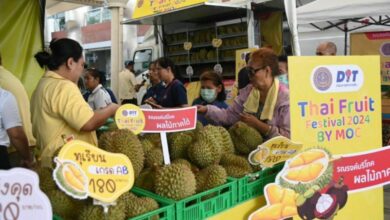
(11, 131)
(127, 83)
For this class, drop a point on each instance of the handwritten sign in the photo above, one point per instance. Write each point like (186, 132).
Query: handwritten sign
(84, 170)
(21, 198)
(130, 117)
(275, 150)
(169, 120)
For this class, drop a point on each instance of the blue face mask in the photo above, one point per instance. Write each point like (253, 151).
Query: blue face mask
(209, 95)
(283, 79)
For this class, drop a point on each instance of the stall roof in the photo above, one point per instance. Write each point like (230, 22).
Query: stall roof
(56, 6)
(331, 10)
(199, 13)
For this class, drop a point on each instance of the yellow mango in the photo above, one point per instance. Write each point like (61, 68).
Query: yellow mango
(272, 212)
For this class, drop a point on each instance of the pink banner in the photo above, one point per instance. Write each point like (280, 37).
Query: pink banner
(169, 120)
(364, 170)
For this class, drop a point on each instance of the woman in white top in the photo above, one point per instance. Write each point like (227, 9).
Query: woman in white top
(99, 97)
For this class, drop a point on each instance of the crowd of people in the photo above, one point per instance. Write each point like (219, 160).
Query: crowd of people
(59, 110)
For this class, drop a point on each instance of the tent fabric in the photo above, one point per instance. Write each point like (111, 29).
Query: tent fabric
(20, 39)
(331, 10)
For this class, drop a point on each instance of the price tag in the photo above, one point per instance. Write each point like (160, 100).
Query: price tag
(216, 42)
(84, 170)
(187, 46)
(21, 198)
(218, 68)
(130, 117)
(273, 151)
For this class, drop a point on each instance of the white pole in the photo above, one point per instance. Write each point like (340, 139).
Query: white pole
(291, 12)
(116, 8)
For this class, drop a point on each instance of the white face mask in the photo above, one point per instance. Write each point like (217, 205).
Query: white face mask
(209, 95)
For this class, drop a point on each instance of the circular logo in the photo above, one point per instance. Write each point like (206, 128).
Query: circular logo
(130, 117)
(385, 49)
(322, 78)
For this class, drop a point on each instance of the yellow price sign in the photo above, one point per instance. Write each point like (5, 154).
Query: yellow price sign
(84, 170)
(273, 151)
(130, 117)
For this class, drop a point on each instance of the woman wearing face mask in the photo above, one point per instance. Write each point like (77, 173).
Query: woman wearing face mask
(57, 107)
(212, 92)
(263, 104)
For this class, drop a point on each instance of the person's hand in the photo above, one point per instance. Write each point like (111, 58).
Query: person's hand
(249, 119)
(150, 100)
(29, 164)
(153, 104)
(202, 109)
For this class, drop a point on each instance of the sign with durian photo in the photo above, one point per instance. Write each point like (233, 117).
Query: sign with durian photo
(274, 151)
(335, 103)
(21, 197)
(83, 170)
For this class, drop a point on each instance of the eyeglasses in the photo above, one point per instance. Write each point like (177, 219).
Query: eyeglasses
(252, 71)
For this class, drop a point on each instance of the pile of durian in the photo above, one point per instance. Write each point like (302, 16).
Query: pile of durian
(127, 206)
(201, 159)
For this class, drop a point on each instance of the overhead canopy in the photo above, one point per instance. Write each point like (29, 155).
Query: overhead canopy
(199, 12)
(331, 10)
(56, 6)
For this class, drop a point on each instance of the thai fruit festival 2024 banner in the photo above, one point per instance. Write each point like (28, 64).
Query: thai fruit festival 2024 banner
(335, 109)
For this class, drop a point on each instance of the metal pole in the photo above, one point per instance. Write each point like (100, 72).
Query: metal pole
(251, 25)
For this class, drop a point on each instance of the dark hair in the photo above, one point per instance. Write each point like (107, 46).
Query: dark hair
(282, 58)
(128, 63)
(165, 63)
(266, 57)
(95, 73)
(247, 57)
(217, 81)
(60, 51)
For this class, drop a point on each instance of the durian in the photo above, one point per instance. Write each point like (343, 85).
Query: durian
(95, 212)
(210, 177)
(125, 142)
(205, 151)
(46, 181)
(146, 179)
(178, 143)
(154, 157)
(175, 181)
(147, 145)
(141, 205)
(236, 166)
(245, 138)
(64, 205)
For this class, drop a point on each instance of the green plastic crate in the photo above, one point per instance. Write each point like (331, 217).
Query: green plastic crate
(253, 185)
(165, 212)
(208, 203)
(56, 217)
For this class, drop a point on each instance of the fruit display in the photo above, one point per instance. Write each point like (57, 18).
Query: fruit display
(245, 138)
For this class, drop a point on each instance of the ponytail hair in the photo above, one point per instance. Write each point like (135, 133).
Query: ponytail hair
(60, 51)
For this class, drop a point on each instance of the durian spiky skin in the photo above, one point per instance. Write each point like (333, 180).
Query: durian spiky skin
(178, 144)
(146, 179)
(147, 145)
(245, 138)
(141, 205)
(205, 152)
(321, 181)
(154, 157)
(175, 181)
(46, 181)
(64, 205)
(125, 142)
(210, 177)
(227, 142)
(95, 212)
(235, 165)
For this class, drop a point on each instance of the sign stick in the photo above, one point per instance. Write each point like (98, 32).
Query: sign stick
(164, 142)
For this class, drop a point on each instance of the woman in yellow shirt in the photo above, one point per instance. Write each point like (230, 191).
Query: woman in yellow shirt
(57, 106)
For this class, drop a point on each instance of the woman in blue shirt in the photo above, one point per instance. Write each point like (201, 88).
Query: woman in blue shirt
(175, 94)
(212, 92)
